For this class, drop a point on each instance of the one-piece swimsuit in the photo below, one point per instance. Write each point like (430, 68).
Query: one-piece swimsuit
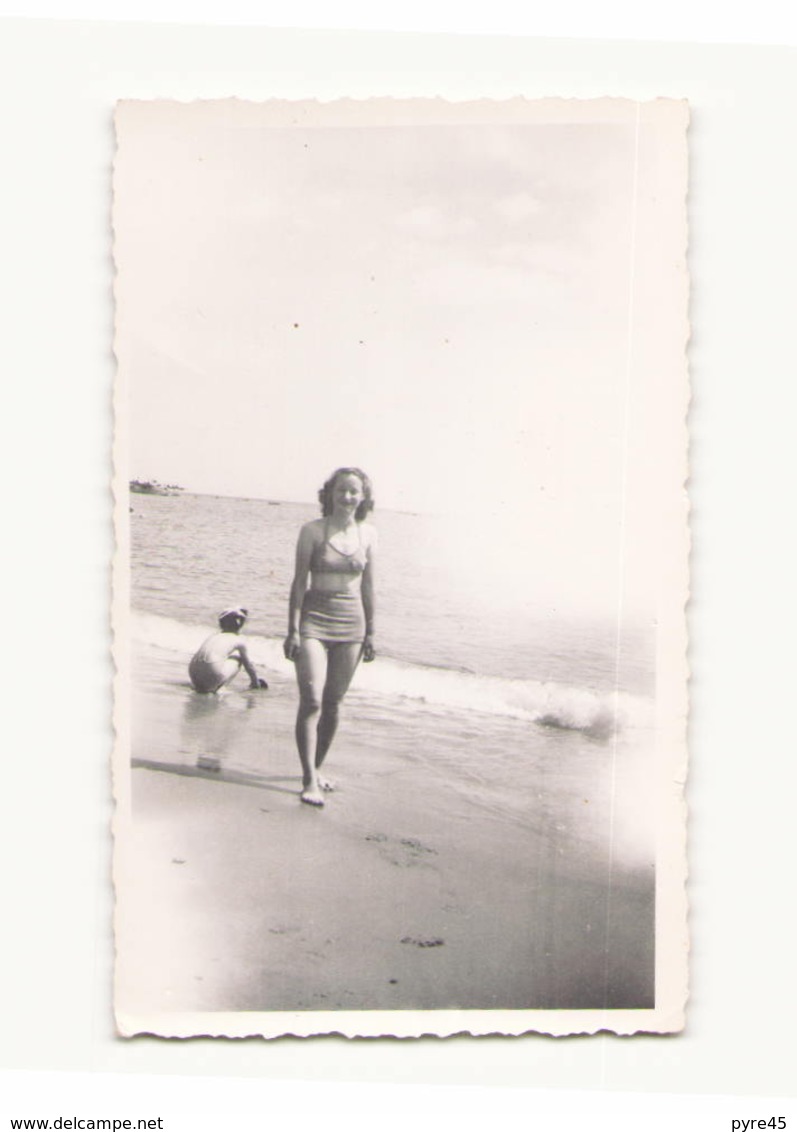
(335, 617)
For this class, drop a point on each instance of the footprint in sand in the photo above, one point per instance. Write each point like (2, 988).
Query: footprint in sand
(424, 942)
(417, 847)
(403, 852)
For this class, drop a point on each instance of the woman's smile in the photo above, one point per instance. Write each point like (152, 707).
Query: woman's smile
(348, 493)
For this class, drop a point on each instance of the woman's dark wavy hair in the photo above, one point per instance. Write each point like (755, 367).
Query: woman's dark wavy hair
(325, 494)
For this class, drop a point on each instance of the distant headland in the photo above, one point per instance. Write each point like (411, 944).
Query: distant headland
(153, 487)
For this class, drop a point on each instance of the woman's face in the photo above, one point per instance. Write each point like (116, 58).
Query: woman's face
(347, 494)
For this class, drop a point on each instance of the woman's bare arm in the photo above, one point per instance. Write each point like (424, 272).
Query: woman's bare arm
(304, 551)
(369, 605)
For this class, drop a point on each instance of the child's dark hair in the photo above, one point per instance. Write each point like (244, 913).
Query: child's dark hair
(325, 494)
(232, 622)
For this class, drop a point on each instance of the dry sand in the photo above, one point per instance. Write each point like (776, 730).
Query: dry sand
(402, 893)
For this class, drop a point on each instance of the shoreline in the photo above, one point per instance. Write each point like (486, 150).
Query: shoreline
(404, 892)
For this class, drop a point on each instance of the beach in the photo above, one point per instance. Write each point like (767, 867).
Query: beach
(491, 843)
(409, 890)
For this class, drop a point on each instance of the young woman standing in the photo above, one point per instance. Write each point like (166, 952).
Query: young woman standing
(331, 620)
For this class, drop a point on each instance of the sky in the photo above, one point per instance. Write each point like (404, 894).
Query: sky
(447, 305)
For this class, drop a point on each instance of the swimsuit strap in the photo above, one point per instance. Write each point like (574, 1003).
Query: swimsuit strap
(343, 553)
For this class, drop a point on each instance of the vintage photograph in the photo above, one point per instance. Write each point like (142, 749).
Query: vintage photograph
(401, 567)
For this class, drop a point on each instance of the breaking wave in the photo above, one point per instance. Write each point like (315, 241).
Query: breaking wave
(548, 704)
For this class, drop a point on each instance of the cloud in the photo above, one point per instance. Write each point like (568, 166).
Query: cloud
(436, 223)
(474, 284)
(518, 207)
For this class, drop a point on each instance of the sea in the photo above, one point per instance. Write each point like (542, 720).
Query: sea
(470, 679)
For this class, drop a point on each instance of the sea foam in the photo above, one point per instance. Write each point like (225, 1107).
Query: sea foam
(549, 704)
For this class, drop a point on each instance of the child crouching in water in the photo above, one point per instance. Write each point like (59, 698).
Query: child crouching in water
(221, 657)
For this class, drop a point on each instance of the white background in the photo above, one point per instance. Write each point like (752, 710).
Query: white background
(57, 1044)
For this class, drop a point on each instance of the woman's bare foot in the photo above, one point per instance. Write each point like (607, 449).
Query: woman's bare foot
(312, 796)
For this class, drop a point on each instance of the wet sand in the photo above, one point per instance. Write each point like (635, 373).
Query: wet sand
(402, 893)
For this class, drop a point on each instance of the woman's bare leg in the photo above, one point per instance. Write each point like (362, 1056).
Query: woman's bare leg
(341, 665)
(311, 670)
